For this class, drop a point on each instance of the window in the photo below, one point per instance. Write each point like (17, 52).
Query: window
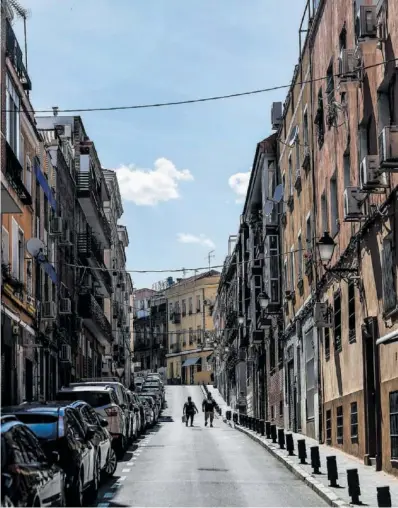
(300, 257)
(170, 310)
(347, 170)
(22, 150)
(337, 321)
(272, 350)
(274, 267)
(324, 211)
(292, 269)
(320, 120)
(281, 408)
(394, 424)
(310, 373)
(388, 276)
(18, 250)
(330, 84)
(329, 426)
(5, 246)
(190, 305)
(199, 334)
(354, 422)
(199, 367)
(280, 349)
(334, 205)
(351, 312)
(291, 182)
(326, 336)
(305, 128)
(298, 161)
(12, 116)
(340, 425)
(28, 176)
(309, 232)
(190, 334)
(272, 412)
(285, 277)
(198, 308)
(184, 307)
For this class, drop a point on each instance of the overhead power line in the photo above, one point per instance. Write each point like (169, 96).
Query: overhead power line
(203, 99)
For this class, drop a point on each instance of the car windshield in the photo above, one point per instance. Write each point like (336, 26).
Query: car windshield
(43, 425)
(95, 399)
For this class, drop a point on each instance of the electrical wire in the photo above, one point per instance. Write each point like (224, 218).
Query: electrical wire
(202, 99)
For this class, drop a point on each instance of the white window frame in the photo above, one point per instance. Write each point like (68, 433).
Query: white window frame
(5, 246)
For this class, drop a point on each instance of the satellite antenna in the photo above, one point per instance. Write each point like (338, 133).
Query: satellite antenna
(269, 206)
(278, 194)
(36, 247)
(270, 202)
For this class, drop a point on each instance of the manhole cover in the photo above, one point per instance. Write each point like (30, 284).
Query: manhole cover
(213, 470)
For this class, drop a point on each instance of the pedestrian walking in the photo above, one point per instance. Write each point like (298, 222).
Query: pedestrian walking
(189, 411)
(208, 407)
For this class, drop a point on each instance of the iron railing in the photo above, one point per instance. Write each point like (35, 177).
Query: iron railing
(14, 174)
(91, 310)
(15, 54)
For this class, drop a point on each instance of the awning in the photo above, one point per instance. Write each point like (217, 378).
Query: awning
(190, 361)
(390, 337)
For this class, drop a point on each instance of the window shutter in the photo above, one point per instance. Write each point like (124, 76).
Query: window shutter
(389, 294)
(5, 246)
(15, 248)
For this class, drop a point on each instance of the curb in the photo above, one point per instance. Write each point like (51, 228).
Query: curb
(324, 492)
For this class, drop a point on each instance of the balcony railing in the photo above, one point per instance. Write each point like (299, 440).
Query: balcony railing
(10, 279)
(176, 318)
(14, 174)
(87, 188)
(14, 53)
(175, 348)
(88, 246)
(91, 311)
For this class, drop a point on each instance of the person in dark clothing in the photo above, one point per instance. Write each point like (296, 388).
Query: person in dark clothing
(208, 407)
(189, 410)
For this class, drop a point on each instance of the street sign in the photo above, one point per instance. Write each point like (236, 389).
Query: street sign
(120, 371)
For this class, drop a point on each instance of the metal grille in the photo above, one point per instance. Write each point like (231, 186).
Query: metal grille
(394, 424)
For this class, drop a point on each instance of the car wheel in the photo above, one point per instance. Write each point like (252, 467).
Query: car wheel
(111, 463)
(36, 501)
(93, 490)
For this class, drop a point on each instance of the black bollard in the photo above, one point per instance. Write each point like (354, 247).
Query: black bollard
(315, 459)
(258, 425)
(235, 417)
(262, 427)
(273, 433)
(228, 415)
(331, 465)
(289, 443)
(384, 497)
(354, 490)
(268, 430)
(302, 452)
(281, 438)
(249, 422)
(244, 420)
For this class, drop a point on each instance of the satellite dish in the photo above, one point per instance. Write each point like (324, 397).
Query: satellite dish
(268, 207)
(278, 194)
(35, 247)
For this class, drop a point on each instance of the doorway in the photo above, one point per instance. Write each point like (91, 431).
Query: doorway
(28, 380)
(290, 388)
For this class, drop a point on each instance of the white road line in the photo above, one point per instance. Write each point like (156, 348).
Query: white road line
(121, 479)
(103, 504)
(130, 464)
(126, 470)
(108, 495)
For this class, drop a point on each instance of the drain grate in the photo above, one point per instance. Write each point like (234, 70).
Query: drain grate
(213, 470)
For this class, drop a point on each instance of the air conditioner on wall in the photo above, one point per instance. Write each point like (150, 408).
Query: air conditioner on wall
(348, 64)
(371, 180)
(354, 204)
(65, 306)
(49, 310)
(56, 227)
(388, 149)
(366, 22)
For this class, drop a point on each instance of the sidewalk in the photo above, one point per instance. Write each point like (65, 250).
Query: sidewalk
(369, 479)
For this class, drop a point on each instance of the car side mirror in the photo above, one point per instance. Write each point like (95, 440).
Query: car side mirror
(90, 432)
(104, 423)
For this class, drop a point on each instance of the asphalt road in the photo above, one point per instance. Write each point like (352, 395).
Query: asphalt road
(175, 465)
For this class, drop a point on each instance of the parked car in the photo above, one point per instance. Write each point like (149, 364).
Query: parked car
(156, 397)
(138, 403)
(155, 384)
(61, 429)
(138, 382)
(105, 402)
(102, 439)
(29, 477)
(149, 405)
(135, 418)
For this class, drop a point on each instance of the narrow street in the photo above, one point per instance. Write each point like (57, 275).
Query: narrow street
(201, 466)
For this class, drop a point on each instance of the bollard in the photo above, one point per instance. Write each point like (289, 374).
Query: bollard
(244, 417)
(281, 438)
(268, 430)
(258, 425)
(302, 452)
(289, 443)
(235, 417)
(228, 415)
(331, 465)
(384, 497)
(262, 427)
(273, 433)
(315, 459)
(354, 490)
(249, 422)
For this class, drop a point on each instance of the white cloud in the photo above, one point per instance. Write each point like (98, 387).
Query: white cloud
(239, 183)
(200, 239)
(148, 187)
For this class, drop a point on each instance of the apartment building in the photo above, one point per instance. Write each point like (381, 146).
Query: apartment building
(190, 306)
(143, 330)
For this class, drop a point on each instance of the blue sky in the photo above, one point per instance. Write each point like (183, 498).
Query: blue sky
(176, 165)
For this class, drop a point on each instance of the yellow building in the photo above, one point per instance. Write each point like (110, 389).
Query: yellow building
(190, 306)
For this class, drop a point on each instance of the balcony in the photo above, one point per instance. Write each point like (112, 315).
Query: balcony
(91, 251)
(176, 318)
(175, 348)
(14, 174)
(14, 53)
(94, 318)
(9, 279)
(89, 197)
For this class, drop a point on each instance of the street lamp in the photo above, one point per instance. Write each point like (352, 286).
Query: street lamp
(326, 247)
(263, 300)
(241, 319)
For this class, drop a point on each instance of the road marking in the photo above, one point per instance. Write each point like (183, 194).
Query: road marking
(126, 470)
(103, 504)
(108, 495)
(130, 464)
(121, 479)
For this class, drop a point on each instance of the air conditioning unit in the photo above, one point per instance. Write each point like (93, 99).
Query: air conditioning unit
(276, 115)
(322, 315)
(370, 178)
(65, 306)
(388, 149)
(66, 238)
(353, 204)
(348, 64)
(56, 226)
(64, 130)
(366, 22)
(49, 310)
(15, 330)
(66, 353)
(30, 301)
